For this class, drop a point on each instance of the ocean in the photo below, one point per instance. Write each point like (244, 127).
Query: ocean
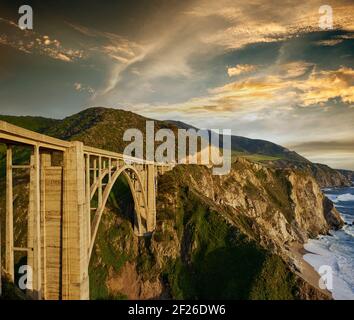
(337, 250)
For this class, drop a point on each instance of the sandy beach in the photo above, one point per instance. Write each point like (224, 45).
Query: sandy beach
(305, 270)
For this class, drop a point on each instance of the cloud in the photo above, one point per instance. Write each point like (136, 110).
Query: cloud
(113, 45)
(257, 21)
(122, 52)
(324, 85)
(31, 42)
(336, 153)
(240, 68)
(328, 146)
(293, 69)
(329, 42)
(83, 88)
(335, 40)
(195, 32)
(283, 83)
(204, 30)
(285, 87)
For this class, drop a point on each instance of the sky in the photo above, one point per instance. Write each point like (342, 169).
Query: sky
(264, 69)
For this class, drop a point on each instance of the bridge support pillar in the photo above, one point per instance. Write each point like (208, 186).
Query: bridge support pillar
(151, 197)
(75, 278)
(9, 252)
(34, 257)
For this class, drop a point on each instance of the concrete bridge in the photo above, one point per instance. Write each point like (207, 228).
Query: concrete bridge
(69, 185)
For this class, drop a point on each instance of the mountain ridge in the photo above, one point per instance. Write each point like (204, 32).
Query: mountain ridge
(104, 128)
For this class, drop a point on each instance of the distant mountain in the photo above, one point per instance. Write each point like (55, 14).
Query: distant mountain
(104, 128)
(242, 146)
(263, 147)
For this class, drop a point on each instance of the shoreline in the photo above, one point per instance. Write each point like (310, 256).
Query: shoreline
(305, 270)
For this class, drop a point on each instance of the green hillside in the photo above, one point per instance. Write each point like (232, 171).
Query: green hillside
(38, 124)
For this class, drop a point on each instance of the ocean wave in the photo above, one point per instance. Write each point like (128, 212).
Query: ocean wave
(342, 197)
(349, 230)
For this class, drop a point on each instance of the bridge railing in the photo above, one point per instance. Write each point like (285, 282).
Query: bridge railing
(110, 154)
(14, 134)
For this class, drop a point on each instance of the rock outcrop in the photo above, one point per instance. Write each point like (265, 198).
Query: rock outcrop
(324, 175)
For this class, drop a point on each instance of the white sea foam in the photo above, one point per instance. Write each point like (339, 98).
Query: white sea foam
(331, 197)
(324, 253)
(341, 197)
(349, 230)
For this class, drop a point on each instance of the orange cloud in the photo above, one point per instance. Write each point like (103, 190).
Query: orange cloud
(257, 21)
(280, 90)
(324, 85)
(240, 68)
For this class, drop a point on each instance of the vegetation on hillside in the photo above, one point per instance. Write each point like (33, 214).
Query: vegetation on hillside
(224, 263)
(212, 258)
(38, 124)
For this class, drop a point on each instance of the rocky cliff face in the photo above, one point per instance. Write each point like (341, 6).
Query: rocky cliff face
(324, 175)
(348, 174)
(328, 177)
(283, 206)
(217, 237)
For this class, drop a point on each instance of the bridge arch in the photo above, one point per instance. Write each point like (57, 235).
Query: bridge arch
(136, 185)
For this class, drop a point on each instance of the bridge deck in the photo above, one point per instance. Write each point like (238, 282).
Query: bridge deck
(12, 134)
